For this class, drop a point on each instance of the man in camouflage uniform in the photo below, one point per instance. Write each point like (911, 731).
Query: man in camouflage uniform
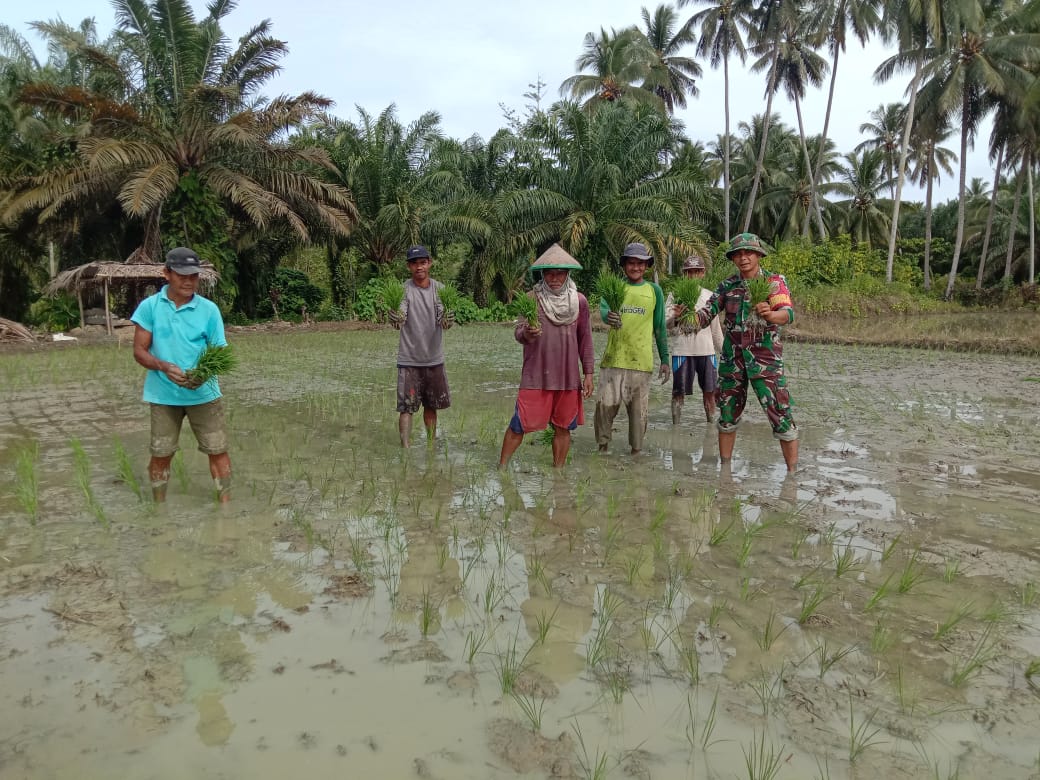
(752, 352)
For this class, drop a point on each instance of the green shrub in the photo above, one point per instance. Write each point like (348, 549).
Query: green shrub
(290, 291)
(55, 314)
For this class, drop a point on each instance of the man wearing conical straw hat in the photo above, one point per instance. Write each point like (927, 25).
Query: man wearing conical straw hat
(555, 342)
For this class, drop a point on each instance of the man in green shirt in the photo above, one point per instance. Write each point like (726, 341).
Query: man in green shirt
(628, 362)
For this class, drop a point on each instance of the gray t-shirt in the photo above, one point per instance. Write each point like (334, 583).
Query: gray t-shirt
(422, 340)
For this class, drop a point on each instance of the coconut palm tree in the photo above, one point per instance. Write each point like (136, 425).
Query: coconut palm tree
(833, 22)
(770, 21)
(797, 66)
(982, 63)
(671, 76)
(187, 114)
(861, 181)
(722, 25)
(884, 132)
(619, 62)
(929, 161)
(918, 28)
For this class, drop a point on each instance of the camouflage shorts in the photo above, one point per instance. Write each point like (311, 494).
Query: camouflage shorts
(765, 374)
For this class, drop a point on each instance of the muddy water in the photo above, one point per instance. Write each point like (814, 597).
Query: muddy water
(363, 611)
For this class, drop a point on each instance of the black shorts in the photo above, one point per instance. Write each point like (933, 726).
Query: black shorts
(685, 367)
(422, 385)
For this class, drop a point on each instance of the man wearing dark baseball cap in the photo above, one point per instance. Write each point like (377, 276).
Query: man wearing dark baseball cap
(173, 327)
(422, 320)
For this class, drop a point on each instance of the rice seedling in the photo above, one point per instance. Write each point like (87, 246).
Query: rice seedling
(494, 595)
(718, 607)
(509, 665)
(825, 659)
(845, 560)
(951, 567)
(906, 697)
(981, 654)
(429, 615)
(745, 548)
(27, 488)
(450, 297)
(799, 540)
(707, 729)
(689, 659)
(677, 573)
(769, 688)
(81, 469)
(879, 594)
(763, 761)
(960, 612)
(808, 578)
(214, 361)
(633, 565)
(890, 548)
(758, 292)
(475, 643)
(615, 675)
(881, 638)
(531, 707)
(811, 602)
(525, 307)
(719, 533)
(1032, 670)
(595, 766)
(1029, 594)
(770, 631)
(125, 470)
(180, 471)
(862, 735)
(912, 573)
(686, 292)
(612, 289)
(543, 624)
(391, 294)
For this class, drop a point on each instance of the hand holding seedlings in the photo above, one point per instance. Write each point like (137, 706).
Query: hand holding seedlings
(614, 319)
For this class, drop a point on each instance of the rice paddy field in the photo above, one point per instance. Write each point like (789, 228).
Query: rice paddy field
(360, 610)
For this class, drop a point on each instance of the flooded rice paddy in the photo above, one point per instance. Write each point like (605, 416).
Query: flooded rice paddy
(364, 611)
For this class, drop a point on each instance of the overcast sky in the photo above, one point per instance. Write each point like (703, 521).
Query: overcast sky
(463, 58)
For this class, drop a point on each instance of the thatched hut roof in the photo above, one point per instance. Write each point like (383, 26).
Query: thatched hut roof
(96, 274)
(14, 331)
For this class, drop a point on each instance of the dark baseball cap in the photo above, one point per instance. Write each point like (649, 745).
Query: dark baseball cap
(637, 251)
(183, 261)
(418, 252)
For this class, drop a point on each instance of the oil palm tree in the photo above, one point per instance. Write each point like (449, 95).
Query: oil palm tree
(722, 27)
(602, 185)
(187, 113)
(672, 77)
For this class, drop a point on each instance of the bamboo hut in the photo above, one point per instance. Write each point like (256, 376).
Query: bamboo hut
(104, 276)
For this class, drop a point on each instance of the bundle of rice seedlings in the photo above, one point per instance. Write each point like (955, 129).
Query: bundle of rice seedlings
(450, 297)
(212, 362)
(687, 292)
(525, 307)
(758, 290)
(391, 294)
(612, 288)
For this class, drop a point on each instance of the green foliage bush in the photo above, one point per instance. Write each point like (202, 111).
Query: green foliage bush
(55, 314)
(294, 291)
(366, 308)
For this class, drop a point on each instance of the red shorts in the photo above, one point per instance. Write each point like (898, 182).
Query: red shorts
(535, 409)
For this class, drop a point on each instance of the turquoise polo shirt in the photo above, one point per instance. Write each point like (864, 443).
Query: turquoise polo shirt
(179, 335)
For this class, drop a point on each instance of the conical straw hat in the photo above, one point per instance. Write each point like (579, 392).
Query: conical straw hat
(555, 257)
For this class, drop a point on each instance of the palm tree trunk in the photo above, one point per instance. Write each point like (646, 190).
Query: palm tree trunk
(808, 166)
(1013, 227)
(928, 232)
(959, 241)
(760, 162)
(1032, 220)
(989, 221)
(902, 167)
(823, 142)
(725, 143)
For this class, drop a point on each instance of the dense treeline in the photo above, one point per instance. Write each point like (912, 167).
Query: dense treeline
(160, 134)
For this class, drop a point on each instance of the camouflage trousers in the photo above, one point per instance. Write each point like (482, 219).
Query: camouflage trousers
(761, 368)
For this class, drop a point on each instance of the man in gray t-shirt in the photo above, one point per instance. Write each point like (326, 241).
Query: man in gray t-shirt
(422, 321)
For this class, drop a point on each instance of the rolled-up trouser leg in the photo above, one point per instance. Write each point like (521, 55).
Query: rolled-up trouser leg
(604, 421)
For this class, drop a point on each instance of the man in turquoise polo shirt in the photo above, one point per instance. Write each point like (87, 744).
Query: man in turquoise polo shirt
(173, 327)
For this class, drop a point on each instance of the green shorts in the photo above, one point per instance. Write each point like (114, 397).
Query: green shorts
(207, 423)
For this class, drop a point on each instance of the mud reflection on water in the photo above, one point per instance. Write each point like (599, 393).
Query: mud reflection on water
(359, 609)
